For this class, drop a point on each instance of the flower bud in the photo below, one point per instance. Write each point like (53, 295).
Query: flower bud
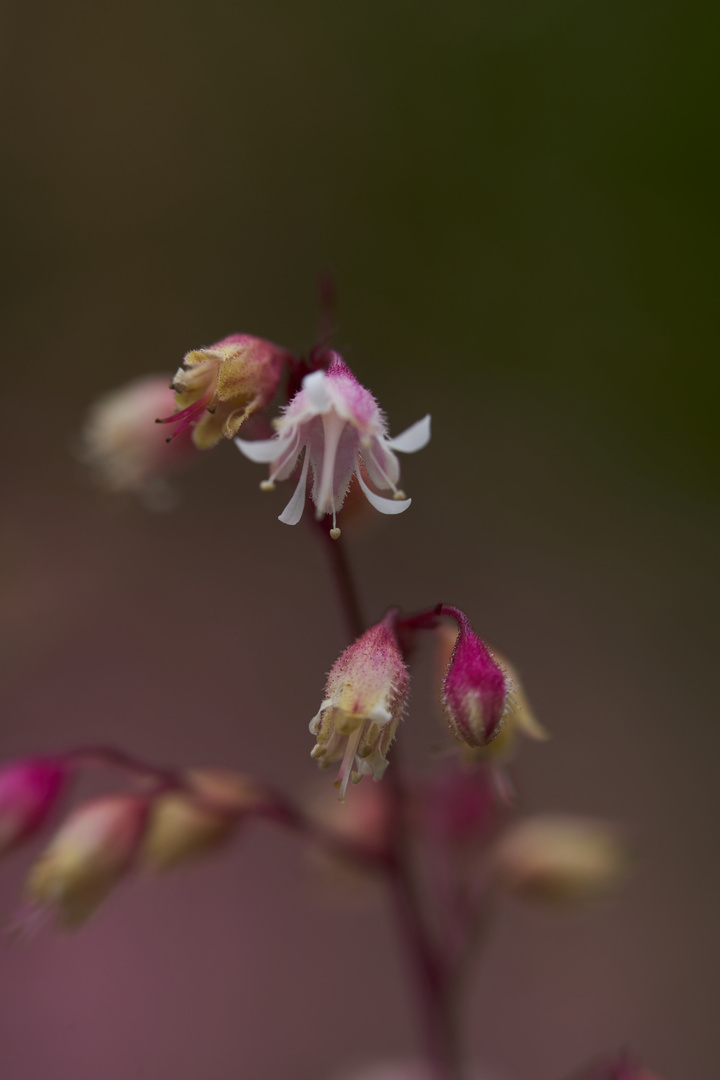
(519, 719)
(475, 691)
(29, 791)
(365, 697)
(184, 825)
(125, 448)
(93, 849)
(560, 860)
(218, 388)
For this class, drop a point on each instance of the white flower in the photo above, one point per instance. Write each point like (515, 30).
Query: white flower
(339, 425)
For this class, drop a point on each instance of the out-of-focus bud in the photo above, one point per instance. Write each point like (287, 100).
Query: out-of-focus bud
(618, 1067)
(476, 689)
(184, 825)
(125, 448)
(365, 697)
(29, 792)
(93, 849)
(457, 803)
(218, 388)
(560, 860)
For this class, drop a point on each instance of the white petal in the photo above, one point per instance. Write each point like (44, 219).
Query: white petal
(385, 506)
(261, 450)
(413, 438)
(315, 386)
(294, 509)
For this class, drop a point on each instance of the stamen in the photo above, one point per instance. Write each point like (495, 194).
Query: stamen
(398, 494)
(267, 485)
(347, 762)
(334, 534)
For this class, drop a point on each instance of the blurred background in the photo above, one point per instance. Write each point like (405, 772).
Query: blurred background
(517, 199)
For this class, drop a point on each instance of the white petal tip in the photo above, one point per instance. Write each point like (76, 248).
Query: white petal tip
(414, 438)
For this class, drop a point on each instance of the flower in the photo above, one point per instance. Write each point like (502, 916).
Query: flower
(29, 791)
(218, 388)
(560, 859)
(124, 448)
(365, 697)
(93, 849)
(476, 689)
(339, 425)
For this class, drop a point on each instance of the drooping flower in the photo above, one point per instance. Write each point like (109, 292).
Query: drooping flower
(476, 689)
(29, 791)
(218, 388)
(125, 449)
(340, 427)
(365, 696)
(93, 849)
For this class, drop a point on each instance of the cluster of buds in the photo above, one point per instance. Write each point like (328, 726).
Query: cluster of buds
(103, 839)
(367, 688)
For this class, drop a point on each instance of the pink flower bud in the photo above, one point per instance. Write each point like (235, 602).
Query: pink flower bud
(365, 697)
(93, 849)
(476, 689)
(126, 449)
(29, 791)
(218, 388)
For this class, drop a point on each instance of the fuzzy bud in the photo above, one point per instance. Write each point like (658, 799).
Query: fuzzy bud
(29, 791)
(560, 860)
(218, 388)
(184, 825)
(93, 849)
(365, 697)
(475, 690)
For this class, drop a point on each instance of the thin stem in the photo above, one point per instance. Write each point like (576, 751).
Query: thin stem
(343, 579)
(425, 956)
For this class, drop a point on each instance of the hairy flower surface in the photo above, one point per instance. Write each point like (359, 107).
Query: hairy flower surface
(218, 388)
(476, 689)
(365, 697)
(339, 426)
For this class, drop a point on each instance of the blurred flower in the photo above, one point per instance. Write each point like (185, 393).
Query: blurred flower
(124, 447)
(404, 1070)
(335, 420)
(560, 859)
(29, 791)
(476, 689)
(93, 849)
(218, 388)
(457, 803)
(365, 697)
(185, 825)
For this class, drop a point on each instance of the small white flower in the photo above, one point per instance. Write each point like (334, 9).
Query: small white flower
(339, 425)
